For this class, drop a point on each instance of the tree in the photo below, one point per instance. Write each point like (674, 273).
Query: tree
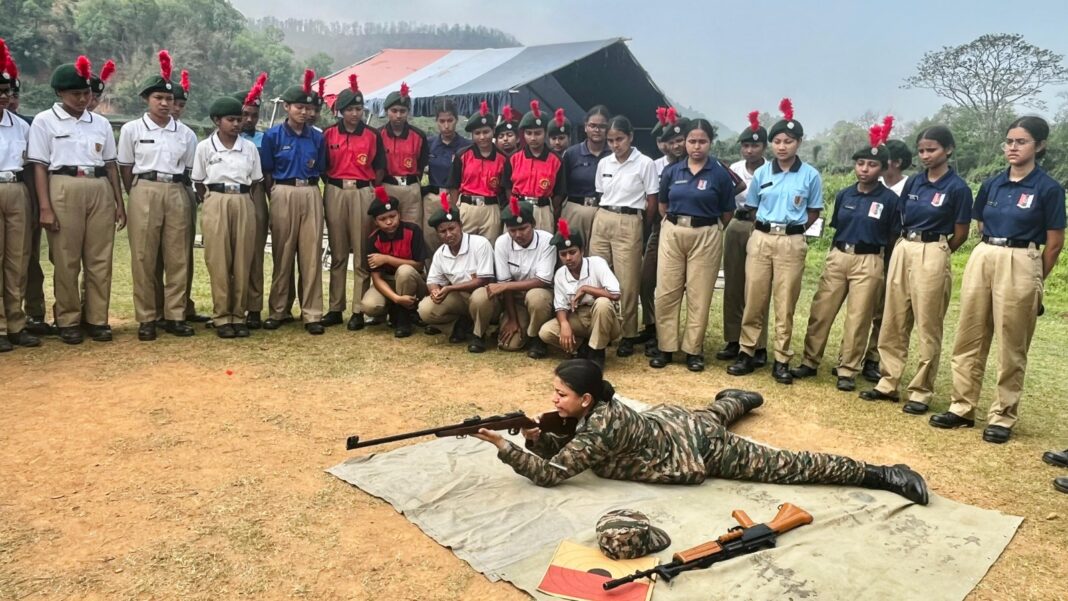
(989, 75)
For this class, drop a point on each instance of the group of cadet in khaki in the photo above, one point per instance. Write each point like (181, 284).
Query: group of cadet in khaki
(521, 239)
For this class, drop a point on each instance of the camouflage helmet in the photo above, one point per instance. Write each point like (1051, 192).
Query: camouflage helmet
(627, 534)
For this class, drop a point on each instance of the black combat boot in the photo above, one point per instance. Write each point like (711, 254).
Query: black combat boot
(898, 479)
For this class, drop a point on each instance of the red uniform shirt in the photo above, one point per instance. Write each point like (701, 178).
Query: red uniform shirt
(353, 155)
(406, 154)
(535, 176)
(405, 243)
(476, 175)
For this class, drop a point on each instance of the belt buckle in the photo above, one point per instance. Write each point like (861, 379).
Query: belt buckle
(348, 184)
(165, 178)
(82, 171)
(998, 241)
(7, 177)
(589, 201)
(684, 221)
(300, 183)
(913, 236)
(849, 248)
(478, 201)
(232, 188)
(778, 229)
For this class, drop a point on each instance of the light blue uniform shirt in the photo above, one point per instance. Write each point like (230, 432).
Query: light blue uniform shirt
(785, 196)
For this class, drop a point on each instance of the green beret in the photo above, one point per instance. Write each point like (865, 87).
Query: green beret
(657, 130)
(565, 238)
(383, 203)
(674, 130)
(899, 151)
(225, 106)
(517, 213)
(879, 153)
(790, 127)
(399, 98)
(559, 125)
(534, 119)
(347, 98)
(440, 215)
(239, 96)
(759, 135)
(179, 93)
(96, 85)
(66, 77)
(484, 118)
(156, 83)
(504, 126)
(297, 95)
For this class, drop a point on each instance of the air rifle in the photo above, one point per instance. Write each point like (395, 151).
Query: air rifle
(552, 423)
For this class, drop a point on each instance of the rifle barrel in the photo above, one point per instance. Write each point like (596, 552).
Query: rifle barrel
(353, 442)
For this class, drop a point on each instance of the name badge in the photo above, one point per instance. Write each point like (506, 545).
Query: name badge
(702, 184)
(146, 141)
(875, 211)
(938, 199)
(1025, 201)
(767, 185)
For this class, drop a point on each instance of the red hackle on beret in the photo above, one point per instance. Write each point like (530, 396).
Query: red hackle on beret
(563, 228)
(875, 135)
(82, 67)
(507, 114)
(352, 83)
(754, 120)
(184, 81)
(380, 194)
(535, 107)
(5, 55)
(661, 115)
(787, 108)
(404, 90)
(165, 69)
(107, 71)
(445, 202)
(559, 117)
(672, 115)
(309, 75)
(888, 124)
(513, 204)
(322, 86)
(483, 109)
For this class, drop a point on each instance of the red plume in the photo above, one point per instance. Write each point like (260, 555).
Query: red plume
(483, 109)
(535, 107)
(309, 75)
(445, 202)
(672, 115)
(787, 108)
(83, 68)
(352, 83)
(754, 120)
(257, 89)
(562, 227)
(875, 135)
(661, 115)
(513, 204)
(12, 69)
(559, 117)
(888, 124)
(107, 71)
(380, 194)
(322, 86)
(507, 113)
(5, 56)
(404, 89)
(185, 81)
(165, 65)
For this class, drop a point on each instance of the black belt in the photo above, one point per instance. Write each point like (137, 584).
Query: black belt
(80, 172)
(474, 199)
(403, 180)
(229, 188)
(15, 177)
(1009, 242)
(431, 190)
(311, 181)
(690, 221)
(586, 201)
(859, 248)
(791, 230)
(538, 201)
(155, 176)
(916, 235)
(622, 210)
(743, 214)
(340, 183)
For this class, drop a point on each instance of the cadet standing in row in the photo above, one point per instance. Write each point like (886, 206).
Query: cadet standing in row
(535, 174)
(395, 258)
(406, 156)
(580, 173)
(506, 133)
(474, 181)
(250, 117)
(559, 132)
(442, 150)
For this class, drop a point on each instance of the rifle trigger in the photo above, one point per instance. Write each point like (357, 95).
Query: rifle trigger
(513, 431)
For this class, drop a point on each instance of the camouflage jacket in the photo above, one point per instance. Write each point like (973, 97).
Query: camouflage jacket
(665, 444)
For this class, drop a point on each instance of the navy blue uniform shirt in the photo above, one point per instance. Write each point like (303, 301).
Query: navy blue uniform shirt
(865, 218)
(708, 193)
(1021, 210)
(936, 206)
(441, 155)
(580, 169)
(285, 155)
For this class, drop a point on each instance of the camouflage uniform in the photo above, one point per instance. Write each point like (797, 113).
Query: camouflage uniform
(671, 445)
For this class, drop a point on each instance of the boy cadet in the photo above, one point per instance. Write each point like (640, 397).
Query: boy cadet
(225, 169)
(475, 179)
(461, 265)
(395, 261)
(585, 297)
(442, 149)
(15, 214)
(77, 183)
(356, 163)
(293, 155)
(407, 154)
(506, 134)
(788, 196)
(250, 117)
(525, 260)
(158, 151)
(535, 174)
(559, 132)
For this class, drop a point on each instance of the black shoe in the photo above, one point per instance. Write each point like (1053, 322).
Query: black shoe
(241, 330)
(332, 318)
(877, 395)
(402, 321)
(161, 322)
(597, 356)
(750, 400)
(5, 345)
(781, 373)
(24, 338)
(71, 335)
(536, 349)
(951, 421)
(997, 434)
(760, 358)
(197, 318)
(179, 328)
(915, 408)
(625, 348)
(1057, 458)
(288, 318)
(100, 333)
(695, 363)
(460, 330)
(146, 332)
(646, 335)
(272, 324)
(743, 365)
(1061, 484)
(729, 352)
(226, 330)
(651, 349)
(583, 351)
(39, 327)
(846, 384)
(253, 321)
(314, 328)
(803, 371)
(477, 345)
(871, 371)
(661, 360)
(899, 479)
(355, 322)
(431, 331)
(402, 330)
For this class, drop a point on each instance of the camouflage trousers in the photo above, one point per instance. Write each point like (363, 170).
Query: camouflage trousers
(733, 457)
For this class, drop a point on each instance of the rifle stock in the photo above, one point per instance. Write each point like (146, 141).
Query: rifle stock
(552, 423)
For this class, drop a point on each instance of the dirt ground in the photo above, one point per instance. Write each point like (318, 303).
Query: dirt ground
(194, 470)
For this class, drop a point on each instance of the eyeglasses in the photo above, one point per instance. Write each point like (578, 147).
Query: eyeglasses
(596, 126)
(1017, 143)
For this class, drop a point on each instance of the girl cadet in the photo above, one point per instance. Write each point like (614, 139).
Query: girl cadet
(16, 215)
(864, 218)
(506, 133)
(406, 156)
(77, 182)
(585, 296)
(355, 164)
(1018, 211)
(293, 155)
(224, 170)
(535, 174)
(559, 132)
(155, 154)
(788, 196)
(935, 211)
(395, 261)
(442, 149)
(250, 117)
(697, 200)
(580, 172)
(474, 182)
(669, 444)
(627, 182)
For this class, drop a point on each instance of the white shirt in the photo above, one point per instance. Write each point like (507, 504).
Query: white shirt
(595, 273)
(660, 165)
(214, 163)
(626, 184)
(475, 259)
(515, 263)
(898, 188)
(14, 133)
(148, 147)
(59, 140)
(738, 167)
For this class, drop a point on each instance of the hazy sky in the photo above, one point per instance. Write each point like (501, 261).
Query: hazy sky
(836, 60)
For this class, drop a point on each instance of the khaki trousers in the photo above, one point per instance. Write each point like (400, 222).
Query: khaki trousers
(455, 306)
(872, 353)
(406, 282)
(262, 219)
(579, 219)
(597, 323)
(431, 242)
(297, 231)
(618, 239)
(85, 211)
(1000, 294)
(917, 293)
(735, 239)
(411, 202)
(544, 218)
(650, 259)
(229, 225)
(533, 308)
(158, 226)
(189, 308)
(858, 278)
(348, 226)
(484, 221)
(688, 264)
(774, 267)
(15, 236)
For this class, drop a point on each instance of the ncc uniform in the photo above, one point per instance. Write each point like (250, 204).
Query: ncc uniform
(405, 243)
(478, 180)
(262, 220)
(735, 239)
(474, 259)
(537, 180)
(407, 155)
(16, 217)
(582, 197)
(594, 320)
(440, 160)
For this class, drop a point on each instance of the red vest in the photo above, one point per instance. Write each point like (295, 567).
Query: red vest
(351, 156)
(403, 154)
(532, 176)
(480, 176)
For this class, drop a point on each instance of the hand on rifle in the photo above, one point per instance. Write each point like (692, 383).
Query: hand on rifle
(491, 437)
